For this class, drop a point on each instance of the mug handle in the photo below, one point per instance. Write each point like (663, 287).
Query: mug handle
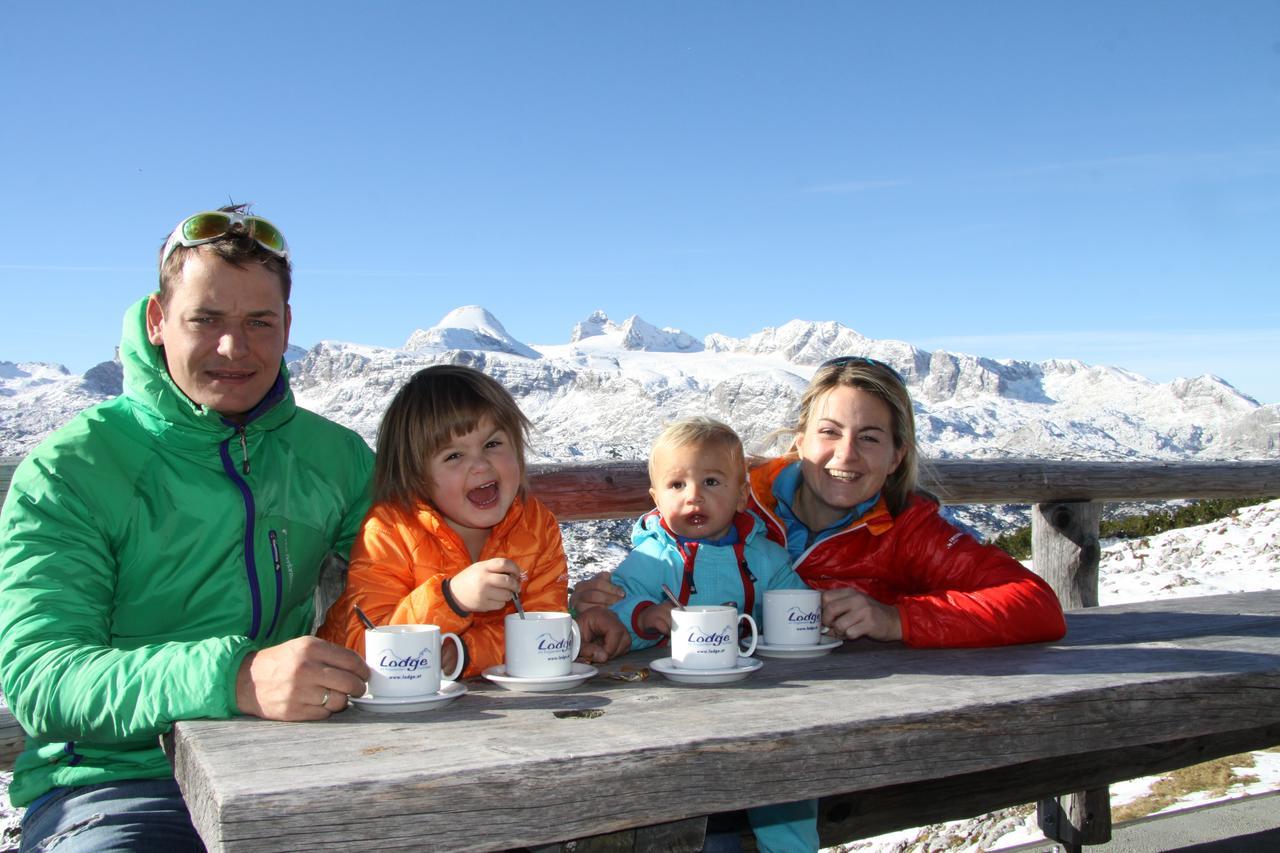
(755, 635)
(577, 639)
(462, 655)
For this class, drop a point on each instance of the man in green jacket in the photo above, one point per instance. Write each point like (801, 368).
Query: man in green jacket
(159, 553)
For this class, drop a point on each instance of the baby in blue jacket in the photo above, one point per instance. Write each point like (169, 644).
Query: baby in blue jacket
(701, 543)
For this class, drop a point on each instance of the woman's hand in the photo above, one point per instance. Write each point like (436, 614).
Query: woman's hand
(596, 591)
(486, 585)
(655, 619)
(852, 614)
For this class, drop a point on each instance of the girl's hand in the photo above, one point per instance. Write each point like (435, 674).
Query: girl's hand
(486, 585)
(852, 614)
(655, 618)
(599, 590)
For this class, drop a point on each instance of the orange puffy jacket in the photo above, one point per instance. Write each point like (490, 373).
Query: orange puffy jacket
(950, 590)
(401, 558)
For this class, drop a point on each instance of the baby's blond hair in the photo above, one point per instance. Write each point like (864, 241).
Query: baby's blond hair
(699, 431)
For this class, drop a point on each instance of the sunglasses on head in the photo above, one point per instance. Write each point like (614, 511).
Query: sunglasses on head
(846, 360)
(210, 225)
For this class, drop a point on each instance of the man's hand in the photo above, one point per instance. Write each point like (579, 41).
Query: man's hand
(303, 679)
(655, 618)
(486, 585)
(603, 635)
(852, 614)
(596, 591)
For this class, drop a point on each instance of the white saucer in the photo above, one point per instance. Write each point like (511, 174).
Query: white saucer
(745, 667)
(578, 673)
(449, 691)
(814, 650)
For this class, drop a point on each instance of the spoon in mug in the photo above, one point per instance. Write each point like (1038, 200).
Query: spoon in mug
(515, 599)
(666, 590)
(368, 623)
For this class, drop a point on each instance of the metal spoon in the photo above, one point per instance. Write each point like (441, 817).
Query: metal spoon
(671, 595)
(368, 623)
(515, 599)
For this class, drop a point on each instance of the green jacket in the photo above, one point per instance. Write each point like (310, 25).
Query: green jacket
(147, 547)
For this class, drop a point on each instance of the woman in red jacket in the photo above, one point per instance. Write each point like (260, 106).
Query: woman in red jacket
(844, 502)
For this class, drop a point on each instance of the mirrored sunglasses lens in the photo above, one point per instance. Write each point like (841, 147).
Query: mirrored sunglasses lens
(267, 234)
(206, 226)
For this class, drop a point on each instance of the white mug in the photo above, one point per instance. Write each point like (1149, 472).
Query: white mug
(792, 617)
(542, 644)
(705, 636)
(404, 660)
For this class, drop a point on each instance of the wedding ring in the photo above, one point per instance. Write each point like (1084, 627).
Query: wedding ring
(325, 701)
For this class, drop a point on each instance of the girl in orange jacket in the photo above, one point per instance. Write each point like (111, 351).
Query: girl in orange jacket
(452, 534)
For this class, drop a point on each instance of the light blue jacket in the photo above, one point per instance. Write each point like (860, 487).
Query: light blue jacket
(698, 571)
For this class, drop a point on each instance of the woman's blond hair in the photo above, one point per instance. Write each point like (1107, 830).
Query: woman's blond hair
(878, 378)
(435, 406)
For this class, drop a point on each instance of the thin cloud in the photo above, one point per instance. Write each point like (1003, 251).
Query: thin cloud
(1235, 164)
(1117, 341)
(54, 268)
(369, 273)
(857, 187)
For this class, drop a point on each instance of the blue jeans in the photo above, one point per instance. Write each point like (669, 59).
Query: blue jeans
(135, 815)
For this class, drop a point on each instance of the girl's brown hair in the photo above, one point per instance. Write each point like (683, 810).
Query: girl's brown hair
(435, 406)
(878, 378)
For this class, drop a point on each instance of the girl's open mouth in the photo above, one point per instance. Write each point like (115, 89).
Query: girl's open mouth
(484, 497)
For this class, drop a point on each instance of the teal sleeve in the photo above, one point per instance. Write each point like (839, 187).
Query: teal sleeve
(641, 576)
(785, 827)
(62, 677)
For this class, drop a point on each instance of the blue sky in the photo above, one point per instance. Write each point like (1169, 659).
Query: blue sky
(1090, 180)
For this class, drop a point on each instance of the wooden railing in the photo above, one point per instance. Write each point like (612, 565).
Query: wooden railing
(1066, 499)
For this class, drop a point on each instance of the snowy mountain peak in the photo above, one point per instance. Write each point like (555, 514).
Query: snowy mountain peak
(32, 372)
(597, 324)
(468, 328)
(642, 336)
(802, 342)
(635, 335)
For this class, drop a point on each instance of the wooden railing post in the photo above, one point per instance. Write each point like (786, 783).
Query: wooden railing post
(1065, 552)
(1065, 549)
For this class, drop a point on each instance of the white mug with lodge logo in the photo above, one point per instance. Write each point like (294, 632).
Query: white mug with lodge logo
(705, 636)
(792, 617)
(404, 660)
(541, 644)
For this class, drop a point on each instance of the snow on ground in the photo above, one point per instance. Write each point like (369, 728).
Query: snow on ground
(1240, 553)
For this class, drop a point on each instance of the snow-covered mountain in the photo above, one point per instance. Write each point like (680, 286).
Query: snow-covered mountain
(471, 328)
(608, 390)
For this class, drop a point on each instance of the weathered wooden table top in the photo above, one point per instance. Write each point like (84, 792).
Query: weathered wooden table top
(498, 769)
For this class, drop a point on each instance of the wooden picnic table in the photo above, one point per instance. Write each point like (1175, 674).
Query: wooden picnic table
(905, 733)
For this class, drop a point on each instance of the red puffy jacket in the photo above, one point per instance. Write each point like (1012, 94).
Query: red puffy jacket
(950, 590)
